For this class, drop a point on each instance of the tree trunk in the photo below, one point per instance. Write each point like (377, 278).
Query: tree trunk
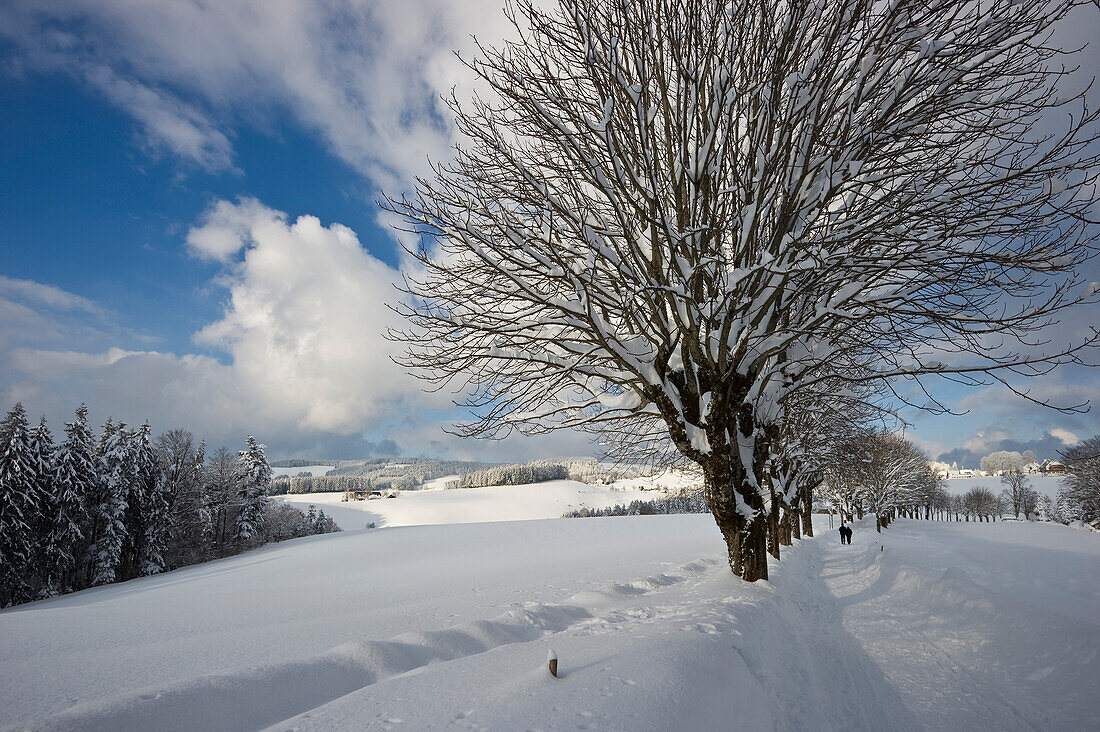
(785, 530)
(746, 538)
(774, 533)
(807, 507)
(795, 522)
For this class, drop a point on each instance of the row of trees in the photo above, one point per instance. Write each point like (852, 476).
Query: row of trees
(297, 484)
(881, 474)
(706, 229)
(99, 509)
(518, 474)
(1007, 461)
(689, 502)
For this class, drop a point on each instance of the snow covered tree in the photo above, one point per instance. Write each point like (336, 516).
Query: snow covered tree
(1004, 461)
(155, 526)
(1079, 496)
(253, 480)
(191, 533)
(18, 508)
(667, 217)
(220, 481)
(42, 450)
(115, 477)
(891, 474)
(1046, 510)
(73, 483)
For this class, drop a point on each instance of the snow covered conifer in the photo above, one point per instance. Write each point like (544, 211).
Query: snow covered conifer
(152, 486)
(1080, 492)
(18, 506)
(253, 480)
(115, 478)
(73, 483)
(42, 452)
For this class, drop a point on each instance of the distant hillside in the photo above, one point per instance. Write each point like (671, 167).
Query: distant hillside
(405, 473)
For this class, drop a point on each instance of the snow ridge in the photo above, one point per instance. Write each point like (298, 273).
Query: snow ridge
(256, 697)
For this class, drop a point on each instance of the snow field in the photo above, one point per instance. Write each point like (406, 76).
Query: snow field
(472, 505)
(948, 626)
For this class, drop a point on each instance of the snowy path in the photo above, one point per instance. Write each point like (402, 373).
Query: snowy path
(952, 627)
(966, 656)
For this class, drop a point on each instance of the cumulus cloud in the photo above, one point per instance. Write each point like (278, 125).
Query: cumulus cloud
(1065, 436)
(225, 227)
(302, 328)
(305, 319)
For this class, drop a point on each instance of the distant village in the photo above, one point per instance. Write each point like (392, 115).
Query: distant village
(1046, 467)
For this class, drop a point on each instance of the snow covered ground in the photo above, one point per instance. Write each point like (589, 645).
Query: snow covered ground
(927, 626)
(471, 505)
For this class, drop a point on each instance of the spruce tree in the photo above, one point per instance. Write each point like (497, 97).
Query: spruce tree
(73, 484)
(17, 507)
(253, 480)
(153, 487)
(43, 454)
(115, 474)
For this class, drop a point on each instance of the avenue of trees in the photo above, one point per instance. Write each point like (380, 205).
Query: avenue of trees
(882, 475)
(92, 510)
(718, 231)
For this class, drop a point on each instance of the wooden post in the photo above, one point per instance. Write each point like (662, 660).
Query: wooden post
(552, 660)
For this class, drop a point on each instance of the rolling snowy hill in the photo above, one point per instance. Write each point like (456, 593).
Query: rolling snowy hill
(927, 626)
(472, 505)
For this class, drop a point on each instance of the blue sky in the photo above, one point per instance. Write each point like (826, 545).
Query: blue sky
(189, 230)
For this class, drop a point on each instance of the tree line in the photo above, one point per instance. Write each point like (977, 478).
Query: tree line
(685, 502)
(94, 510)
(518, 474)
(297, 484)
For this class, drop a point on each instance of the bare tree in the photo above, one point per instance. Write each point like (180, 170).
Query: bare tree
(188, 505)
(890, 474)
(981, 503)
(1019, 494)
(668, 217)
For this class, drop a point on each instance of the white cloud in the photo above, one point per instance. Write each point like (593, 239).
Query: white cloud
(225, 227)
(983, 441)
(45, 295)
(302, 328)
(365, 76)
(306, 317)
(1065, 436)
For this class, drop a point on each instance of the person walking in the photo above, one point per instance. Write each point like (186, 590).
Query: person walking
(845, 534)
